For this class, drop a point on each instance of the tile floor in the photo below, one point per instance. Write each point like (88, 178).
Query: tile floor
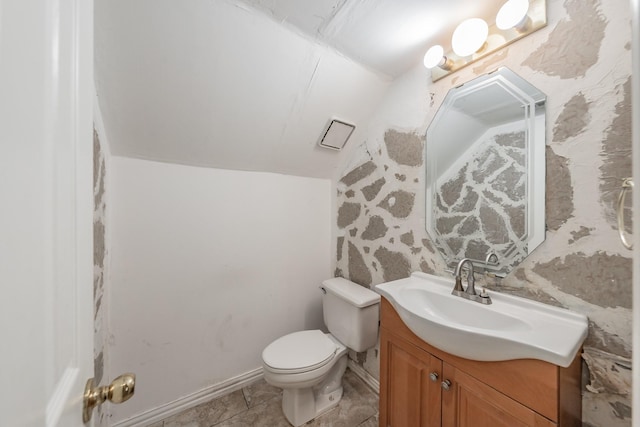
(260, 405)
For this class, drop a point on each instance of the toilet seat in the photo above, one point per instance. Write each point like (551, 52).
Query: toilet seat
(299, 352)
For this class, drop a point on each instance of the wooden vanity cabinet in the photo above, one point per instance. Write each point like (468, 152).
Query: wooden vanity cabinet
(515, 393)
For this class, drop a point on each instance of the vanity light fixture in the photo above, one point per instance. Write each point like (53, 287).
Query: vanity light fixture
(469, 36)
(435, 58)
(513, 14)
(473, 38)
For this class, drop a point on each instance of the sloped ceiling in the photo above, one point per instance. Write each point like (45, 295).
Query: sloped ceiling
(389, 36)
(251, 84)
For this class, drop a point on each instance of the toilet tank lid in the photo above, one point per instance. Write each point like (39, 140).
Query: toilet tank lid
(355, 294)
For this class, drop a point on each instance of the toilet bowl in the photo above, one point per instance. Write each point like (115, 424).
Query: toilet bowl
(309, 365)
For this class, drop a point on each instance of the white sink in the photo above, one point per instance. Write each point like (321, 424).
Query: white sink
(509, 328)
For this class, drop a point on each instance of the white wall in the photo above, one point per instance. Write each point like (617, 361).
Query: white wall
(207, 267)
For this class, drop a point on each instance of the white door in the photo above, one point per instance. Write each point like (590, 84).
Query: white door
(46, 266)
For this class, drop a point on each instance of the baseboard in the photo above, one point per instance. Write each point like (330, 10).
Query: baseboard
(160, 413)
(365, 376)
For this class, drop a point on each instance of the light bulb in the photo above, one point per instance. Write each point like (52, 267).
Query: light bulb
(434, 56)
(495, 41)
(512, 13)
(469, 36)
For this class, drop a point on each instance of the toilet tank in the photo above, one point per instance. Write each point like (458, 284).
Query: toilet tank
(351, 313)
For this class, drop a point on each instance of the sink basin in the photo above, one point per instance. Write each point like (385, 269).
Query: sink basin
(510, 328)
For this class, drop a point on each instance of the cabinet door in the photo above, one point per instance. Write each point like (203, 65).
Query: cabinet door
(409, 396)
(471, 403)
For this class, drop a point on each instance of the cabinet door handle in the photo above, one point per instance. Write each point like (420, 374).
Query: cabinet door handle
(446, 385)
(433, 376)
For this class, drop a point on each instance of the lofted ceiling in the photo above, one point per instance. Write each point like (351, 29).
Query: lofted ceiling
(389, 36)
(251, 84)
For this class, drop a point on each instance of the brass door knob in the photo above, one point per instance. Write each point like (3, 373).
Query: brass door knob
(120, 390)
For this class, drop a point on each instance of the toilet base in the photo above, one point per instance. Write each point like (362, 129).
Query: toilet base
(326, 402)
(298, 405)
(301, 405)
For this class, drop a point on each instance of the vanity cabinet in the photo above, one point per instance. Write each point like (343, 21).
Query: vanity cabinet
(421, 385)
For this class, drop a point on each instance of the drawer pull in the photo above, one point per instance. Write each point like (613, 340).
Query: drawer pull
(446, 385)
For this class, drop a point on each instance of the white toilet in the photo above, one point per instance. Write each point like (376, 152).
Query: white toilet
(309, 365)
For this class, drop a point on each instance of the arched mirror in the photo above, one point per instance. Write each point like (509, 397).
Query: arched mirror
(485, 165)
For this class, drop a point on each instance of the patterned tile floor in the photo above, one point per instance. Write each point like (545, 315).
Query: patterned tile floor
(260, 405)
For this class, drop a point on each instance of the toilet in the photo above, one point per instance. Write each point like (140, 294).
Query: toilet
(309, 365)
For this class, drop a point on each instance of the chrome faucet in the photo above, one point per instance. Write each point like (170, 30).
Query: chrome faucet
(471, 281)
(470, 292)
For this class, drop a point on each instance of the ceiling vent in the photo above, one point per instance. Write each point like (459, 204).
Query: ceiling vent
(336, 134)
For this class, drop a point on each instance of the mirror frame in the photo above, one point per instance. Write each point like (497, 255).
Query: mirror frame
(533, 104)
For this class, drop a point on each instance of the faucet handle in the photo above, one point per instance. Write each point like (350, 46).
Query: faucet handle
(484, 297)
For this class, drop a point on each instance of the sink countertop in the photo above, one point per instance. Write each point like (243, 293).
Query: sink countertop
(509, 328)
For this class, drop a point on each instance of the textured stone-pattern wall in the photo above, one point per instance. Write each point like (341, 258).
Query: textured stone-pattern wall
(582, 61)
(480, 206)
(99, 269)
